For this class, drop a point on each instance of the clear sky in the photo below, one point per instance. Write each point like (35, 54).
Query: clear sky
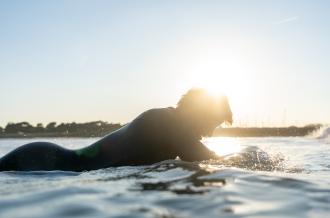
(111, 60)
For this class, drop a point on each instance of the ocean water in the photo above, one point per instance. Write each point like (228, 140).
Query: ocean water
(257, 177)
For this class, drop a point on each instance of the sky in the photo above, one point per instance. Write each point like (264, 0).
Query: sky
(79, 61)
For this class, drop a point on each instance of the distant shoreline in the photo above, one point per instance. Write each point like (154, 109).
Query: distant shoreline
(292, 131)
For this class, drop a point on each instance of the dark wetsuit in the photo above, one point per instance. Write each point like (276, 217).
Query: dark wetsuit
(155, 135)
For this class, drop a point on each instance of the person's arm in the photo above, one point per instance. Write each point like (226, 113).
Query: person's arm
(196, 152)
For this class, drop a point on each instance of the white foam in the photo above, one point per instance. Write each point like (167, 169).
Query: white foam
(322, 133)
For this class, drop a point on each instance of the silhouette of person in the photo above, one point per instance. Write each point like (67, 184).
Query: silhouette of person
(155, 135)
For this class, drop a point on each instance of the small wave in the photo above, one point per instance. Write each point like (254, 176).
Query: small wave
(252, 158)
(322, 133)
(182, 177)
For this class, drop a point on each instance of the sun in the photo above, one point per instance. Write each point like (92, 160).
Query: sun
(225, 66)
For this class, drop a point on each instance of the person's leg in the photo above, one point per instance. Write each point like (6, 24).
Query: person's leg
(38, 156)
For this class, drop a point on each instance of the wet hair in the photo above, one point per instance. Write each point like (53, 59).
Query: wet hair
(192, 97)
(198, 100)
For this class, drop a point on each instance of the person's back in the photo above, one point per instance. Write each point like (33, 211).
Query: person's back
(140, 141)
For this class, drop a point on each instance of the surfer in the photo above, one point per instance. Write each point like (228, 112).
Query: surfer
(155, 135)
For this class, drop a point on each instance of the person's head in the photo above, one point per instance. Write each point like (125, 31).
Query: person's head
(204, 111)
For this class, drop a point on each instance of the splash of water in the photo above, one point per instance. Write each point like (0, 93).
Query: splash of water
(322, 133)
(252, 158)
(246, 157)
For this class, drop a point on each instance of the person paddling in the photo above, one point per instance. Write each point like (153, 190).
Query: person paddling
(157, 134)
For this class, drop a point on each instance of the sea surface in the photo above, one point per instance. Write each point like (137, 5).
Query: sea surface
(257, 177)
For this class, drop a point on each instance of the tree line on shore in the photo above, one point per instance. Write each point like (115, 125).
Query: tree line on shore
(95, 128)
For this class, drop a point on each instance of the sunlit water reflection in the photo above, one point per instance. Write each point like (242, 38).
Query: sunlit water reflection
(223, 146)
(257, 177)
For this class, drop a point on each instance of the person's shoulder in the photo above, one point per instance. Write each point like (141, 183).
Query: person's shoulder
(167, 110)
(158, 111)
(155, 115)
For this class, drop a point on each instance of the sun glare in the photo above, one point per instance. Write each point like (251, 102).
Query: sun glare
(222, 146)
(224, 72)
